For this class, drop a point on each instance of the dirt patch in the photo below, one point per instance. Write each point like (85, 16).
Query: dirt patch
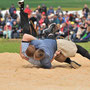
(18, 74)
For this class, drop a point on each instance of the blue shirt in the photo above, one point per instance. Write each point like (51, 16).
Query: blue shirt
(49, 46)
(24, 46)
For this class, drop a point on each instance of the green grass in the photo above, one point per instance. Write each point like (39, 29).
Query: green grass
(86, 45)
(55, 3)
(13, 46)
(7, 45)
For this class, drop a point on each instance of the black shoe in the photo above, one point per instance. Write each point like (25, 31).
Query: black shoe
(75, 64)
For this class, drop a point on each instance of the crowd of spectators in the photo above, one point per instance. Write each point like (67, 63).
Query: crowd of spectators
(71, 25)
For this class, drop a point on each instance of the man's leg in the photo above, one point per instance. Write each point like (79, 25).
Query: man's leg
(83, 51)
(24, 18)
(72, 63)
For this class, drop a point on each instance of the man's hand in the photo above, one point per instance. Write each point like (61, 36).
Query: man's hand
(21, 54)
(23, 57)
(57, 52)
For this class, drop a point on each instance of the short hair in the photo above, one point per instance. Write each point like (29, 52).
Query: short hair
(39, 54)
(30, 50)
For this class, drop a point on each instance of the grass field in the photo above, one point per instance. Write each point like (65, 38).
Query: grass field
(13, 46)
(65, 4)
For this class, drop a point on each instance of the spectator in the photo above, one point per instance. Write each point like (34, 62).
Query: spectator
(6, 15)
(15, 30)
(39, 8)
(62, 20)
(51, 18)
(38, 15)
(7, 30)
(33, 24)
(12, 9)
(51, 10)
(85, 10)
(44, 9)
(59, 10)
(2, 22)
(28, 10)
(14, 16)
(56, 19)
(9, 20)
(44, 19)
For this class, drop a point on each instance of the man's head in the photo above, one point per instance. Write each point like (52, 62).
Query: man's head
(60, 57)
(39, 54)
(30, 51)
(27, 6)
(85, 6)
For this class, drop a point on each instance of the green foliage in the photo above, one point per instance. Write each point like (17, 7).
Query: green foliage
(48, 3)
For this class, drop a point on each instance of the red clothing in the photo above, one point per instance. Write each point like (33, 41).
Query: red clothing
(28, 11)
(41, 21)
(7, 27)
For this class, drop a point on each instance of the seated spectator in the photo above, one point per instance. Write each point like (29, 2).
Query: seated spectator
(56, 19)
(74, 32)
(51, 18)
(15, 30)
(38, 15)
(62, 20)
(51, 10)
(9, 19)
(14, 16)
(86, 36)
(2, 22)
(12, 9)
(28, 10)
(44, 19)
(7, 30)
(33, 24)
(59, 10)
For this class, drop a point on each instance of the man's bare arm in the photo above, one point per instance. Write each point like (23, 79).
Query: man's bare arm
(22, 55)
(27, 37)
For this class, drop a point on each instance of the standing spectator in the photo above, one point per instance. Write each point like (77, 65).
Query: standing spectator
(39, 8)
(44, 9)
(28, 10)
(12, 9)
(51, 10)
(7, 30)
(85, 10)
(59, 10)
